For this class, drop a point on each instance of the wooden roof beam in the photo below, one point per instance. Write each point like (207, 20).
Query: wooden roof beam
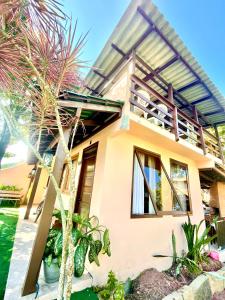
(89, 106)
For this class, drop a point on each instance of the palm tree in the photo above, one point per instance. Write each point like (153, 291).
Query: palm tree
(39, 59)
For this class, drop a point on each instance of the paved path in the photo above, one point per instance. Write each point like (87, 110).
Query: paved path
(25, 233)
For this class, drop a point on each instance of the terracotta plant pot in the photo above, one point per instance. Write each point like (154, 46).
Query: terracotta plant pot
(51, 272)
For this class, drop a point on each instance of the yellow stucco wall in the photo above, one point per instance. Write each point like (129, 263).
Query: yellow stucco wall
(221, 193)
(217, 194)
(17, 176)
(41, 186)
(134, 241)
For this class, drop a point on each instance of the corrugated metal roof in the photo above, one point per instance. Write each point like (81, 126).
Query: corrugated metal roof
(159, 44)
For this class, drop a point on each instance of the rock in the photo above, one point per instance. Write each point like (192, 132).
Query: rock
(201, 288)
(216, 281)
(187, 292)
(174, 296)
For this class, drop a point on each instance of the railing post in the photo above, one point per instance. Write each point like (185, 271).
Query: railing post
(195, 112)
(202, 140)
(132, 82)
(175, 124)
(175, 115)
(219, 144)
(170, 93)
(132, 96)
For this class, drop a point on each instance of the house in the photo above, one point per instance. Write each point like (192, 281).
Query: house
(147, 148)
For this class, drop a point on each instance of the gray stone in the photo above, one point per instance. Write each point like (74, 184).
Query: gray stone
(222, 271)
(174, 296)
(201, 288)
(216, 281)
(187, 292)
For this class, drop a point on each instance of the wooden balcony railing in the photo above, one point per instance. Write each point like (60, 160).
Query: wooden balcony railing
(162, 112)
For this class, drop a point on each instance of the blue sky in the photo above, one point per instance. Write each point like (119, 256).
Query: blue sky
(199, 23)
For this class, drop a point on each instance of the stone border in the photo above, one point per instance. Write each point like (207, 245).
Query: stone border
(202, 288)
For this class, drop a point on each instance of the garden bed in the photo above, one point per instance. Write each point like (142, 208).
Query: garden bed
(155, 285)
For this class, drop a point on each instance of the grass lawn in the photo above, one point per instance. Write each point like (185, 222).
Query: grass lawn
(8, 221)
(86, 294)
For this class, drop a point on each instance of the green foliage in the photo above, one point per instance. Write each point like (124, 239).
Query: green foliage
(9, 154)
(106, 243)
(95, 249)
(84, 239)
(12, 188)
(90, 228)
(195, 241)
(184, 262)
(180, 262)
(52, 246)
(174, 245)
(58, 244)
(189, 231)
(80, 256)
(113, 290)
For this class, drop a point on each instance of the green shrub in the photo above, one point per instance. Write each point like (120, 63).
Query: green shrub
(9, 188)
(113, 290)
(180, 262)
(84, 239)
(195, 241)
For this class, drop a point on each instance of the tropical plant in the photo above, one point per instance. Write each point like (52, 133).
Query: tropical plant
(174, 247)
(196, 241)
(180, 263)
(90, 239)
(189, 231)
(113, 290)
(50, 252)
(39, 60)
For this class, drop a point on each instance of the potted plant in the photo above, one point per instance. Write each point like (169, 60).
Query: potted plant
(52, 257)
(89, 239)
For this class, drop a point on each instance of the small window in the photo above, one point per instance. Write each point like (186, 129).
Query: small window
(154, 192)
(179, 177)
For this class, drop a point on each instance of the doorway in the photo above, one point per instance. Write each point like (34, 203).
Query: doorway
(86, 181)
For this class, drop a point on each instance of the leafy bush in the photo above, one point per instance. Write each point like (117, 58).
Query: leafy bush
(49, 253)
(196, 242)
(113, 290)
(9, 188)
(84, 239)
(191, 260)
(180, 262)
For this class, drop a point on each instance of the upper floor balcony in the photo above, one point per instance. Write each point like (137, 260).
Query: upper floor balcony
(169, 87)
(156, 101)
